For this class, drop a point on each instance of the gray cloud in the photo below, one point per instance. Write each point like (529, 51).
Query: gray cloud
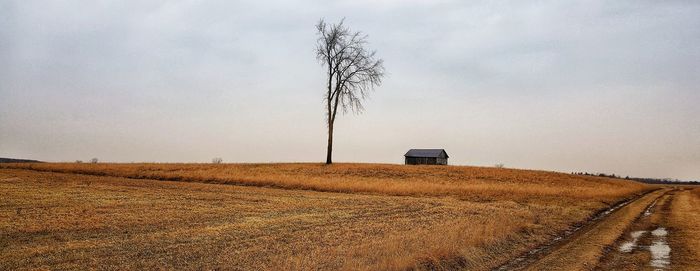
(561, 85)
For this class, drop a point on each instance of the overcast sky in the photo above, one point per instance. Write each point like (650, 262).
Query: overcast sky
(598, 86)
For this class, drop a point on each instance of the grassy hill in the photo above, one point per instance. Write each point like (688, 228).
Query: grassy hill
(464, 182)
(289, 216)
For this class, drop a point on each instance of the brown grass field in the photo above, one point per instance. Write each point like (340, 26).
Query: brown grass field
(684, 219)
(467, 183)
(290, 216)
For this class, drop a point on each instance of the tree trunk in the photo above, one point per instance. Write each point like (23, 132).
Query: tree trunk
(329, 151)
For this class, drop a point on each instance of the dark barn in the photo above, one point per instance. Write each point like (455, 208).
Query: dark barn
(426, 157)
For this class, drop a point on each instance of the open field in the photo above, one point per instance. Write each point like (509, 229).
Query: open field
(346, 216)
(468, 183)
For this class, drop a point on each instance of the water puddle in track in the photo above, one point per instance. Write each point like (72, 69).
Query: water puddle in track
(660, 232)
(648, 211)
(660, 250)
(628, 246)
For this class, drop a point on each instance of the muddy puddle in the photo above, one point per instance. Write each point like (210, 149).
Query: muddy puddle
(649, 209)
(628, 246)
(660, 250)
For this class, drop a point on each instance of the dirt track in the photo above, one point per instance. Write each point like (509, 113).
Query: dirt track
(644, 234)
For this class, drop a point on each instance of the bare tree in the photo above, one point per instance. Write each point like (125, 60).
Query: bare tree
(352, 71)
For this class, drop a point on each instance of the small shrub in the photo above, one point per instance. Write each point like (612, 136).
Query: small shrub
(217, 160)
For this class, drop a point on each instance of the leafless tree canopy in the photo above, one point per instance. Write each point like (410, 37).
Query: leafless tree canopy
(352, 71)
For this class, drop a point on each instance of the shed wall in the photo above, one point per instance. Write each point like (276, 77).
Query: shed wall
(425, 161)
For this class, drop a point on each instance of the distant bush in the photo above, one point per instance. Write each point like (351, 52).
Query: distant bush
(79, 161)
(217, 160)
(94, 161)
(499, 165)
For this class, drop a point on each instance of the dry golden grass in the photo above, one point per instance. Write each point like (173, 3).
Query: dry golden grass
(684, 223)
(372, 217)
(469, 183)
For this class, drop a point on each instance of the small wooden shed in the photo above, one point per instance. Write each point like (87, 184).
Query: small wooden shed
(426, 157)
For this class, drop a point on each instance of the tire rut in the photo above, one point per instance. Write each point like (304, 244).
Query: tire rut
(530, 258)
(644, 244)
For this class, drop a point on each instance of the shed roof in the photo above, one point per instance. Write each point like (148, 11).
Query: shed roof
(426, 153)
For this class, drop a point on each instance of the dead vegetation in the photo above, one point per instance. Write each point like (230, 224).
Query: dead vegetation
(377, 217)
(468, 183)
(684, 224)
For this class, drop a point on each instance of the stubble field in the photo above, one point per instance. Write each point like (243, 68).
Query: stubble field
(287, 216)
